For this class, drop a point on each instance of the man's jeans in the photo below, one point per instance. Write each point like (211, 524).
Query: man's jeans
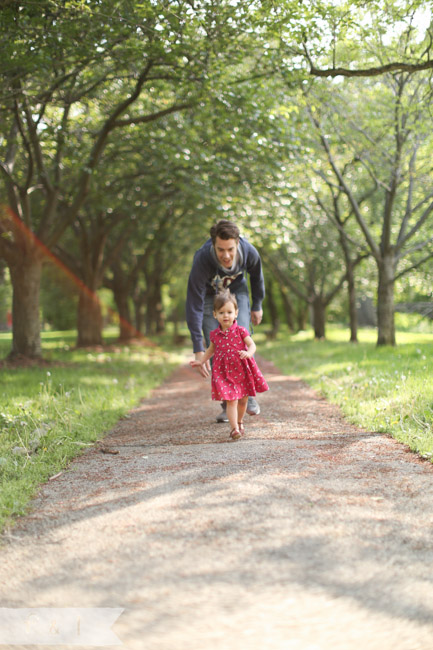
(244, 316)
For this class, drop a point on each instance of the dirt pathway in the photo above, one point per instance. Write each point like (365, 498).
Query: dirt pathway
(309, 534)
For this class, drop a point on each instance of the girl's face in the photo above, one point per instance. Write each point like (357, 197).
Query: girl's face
(226, 315)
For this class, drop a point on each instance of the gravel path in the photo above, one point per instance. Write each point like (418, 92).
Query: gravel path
(309, 534)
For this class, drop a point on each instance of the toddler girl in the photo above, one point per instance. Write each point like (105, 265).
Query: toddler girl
(235, 374)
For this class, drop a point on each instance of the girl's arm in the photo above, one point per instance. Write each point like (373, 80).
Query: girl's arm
(201, 363)
(251, 348)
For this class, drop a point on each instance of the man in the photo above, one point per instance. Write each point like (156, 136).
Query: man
(223, 261)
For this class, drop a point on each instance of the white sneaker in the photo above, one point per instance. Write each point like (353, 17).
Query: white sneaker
(222, 417)
(252, 407)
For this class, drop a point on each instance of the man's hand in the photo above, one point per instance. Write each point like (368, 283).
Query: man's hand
(256, 317)
(204, 370)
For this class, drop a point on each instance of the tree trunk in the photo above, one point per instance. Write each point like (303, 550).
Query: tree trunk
(158, 306)
(301, 316)
(155, 323)
(273, 311)
(89, 323)
(139, 300)
(160, 316)
(26, 281)
(288, 309)
(318, 306)
(353, 316)
(150, 315)
(126, 329)
(385, 300)
(175, 320)
(351, 290)
(121, 285)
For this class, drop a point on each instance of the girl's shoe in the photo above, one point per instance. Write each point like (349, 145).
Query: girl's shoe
(241, 428)
(235, 434)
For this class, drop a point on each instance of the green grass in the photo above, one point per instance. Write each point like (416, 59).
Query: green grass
(65, 406)
(382, 389)
(79, 395)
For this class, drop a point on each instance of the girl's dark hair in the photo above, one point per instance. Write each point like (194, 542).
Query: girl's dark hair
(223, 296)
(224, 229)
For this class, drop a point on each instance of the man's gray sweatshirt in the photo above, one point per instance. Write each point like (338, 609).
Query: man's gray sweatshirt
(208, 276)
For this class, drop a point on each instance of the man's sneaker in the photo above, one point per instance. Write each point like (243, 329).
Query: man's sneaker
(252, 407)
(222, 417)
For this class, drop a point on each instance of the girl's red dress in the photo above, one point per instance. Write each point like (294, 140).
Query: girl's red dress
(233, 377)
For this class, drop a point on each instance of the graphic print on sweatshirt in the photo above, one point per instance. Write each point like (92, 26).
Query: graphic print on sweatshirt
(219, 282)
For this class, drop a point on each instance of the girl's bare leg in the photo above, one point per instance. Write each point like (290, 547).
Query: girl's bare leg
(242, 407)
(232, 413)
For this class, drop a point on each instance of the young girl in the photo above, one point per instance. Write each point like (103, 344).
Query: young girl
(235, 374)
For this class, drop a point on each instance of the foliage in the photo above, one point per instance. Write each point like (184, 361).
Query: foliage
(351, 38)
(121, 148)
(64, 96)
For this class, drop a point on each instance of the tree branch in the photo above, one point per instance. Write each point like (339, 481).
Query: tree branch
(408, 210)
(151, 116)
(335, 217)
(331, 295)
(415, 248)
(95, 154)
(284, 280)
(26, 143)
(36, 146)
(396, 66)
(370, 241)
(414, 266)
(417, 226)
(335, 222)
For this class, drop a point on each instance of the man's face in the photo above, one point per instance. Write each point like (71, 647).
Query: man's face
(226, 250)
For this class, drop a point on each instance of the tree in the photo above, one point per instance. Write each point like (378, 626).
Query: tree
(350, 38)
(339, 215)
(387, 133)
(63, 97)
(303, 255)
(87, 259)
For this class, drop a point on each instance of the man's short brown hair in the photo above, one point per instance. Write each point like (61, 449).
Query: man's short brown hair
(224, 229)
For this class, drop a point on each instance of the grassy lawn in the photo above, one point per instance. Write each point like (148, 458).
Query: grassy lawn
(49, 413)
(381, 389)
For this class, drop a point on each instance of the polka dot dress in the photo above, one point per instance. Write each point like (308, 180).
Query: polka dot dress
(233, 377)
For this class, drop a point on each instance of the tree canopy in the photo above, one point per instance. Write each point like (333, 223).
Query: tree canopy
(127, 128)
